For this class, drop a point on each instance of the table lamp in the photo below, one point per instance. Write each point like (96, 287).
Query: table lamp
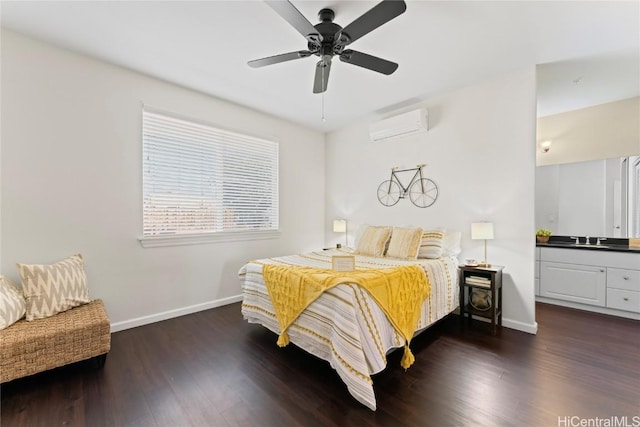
(340, 226)
(482, 231)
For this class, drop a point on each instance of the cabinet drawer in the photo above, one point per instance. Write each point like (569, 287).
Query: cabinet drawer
(623, 279)
(623, 300)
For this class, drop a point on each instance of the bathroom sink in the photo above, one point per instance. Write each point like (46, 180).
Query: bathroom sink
(592, 246)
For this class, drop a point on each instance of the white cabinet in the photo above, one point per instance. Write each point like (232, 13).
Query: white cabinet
(624, 279)
(623, 300)
(585, 284)
(623, 289)
(598, 280)
(537, 272)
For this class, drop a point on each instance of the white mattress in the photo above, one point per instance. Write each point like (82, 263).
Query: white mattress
(345, 326)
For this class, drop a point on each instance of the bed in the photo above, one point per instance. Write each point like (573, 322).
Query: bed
(344, 325)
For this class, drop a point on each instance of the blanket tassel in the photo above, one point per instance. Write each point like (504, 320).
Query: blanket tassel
(407, 358)
(283, 339)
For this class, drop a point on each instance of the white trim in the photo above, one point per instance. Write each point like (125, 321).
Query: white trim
(593, 308)
(530, 328)
(198, 239)
(152, 318)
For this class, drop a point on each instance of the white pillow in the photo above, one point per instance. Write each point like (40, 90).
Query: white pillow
(451, 243)
(12, 304)
(359, 232)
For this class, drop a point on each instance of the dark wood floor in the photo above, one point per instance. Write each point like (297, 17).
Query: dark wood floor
(214, 369)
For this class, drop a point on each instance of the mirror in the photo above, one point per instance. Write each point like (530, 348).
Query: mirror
(599, 198)
(589, 108)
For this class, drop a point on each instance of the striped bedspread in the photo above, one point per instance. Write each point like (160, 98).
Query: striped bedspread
(345, 326)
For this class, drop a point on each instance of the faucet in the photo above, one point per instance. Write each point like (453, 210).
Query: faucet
(587, 241)
(600, 239)
(577, 242)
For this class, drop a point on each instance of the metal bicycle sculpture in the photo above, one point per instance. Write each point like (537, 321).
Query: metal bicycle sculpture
(422, 191)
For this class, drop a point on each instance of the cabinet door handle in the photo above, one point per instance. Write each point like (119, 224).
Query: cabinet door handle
(602, 270)
(626, 299)
(625, 277)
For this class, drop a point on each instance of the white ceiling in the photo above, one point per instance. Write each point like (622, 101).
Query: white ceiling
(440, 46)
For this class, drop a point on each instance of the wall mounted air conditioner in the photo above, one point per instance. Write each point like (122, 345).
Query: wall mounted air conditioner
(405, 124)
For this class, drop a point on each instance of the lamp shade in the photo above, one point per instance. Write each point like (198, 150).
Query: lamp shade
(339, 225)
(481, 230)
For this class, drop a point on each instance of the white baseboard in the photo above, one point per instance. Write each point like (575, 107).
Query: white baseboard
(152, 318)
(157, 317)
(512, 324)
(530, 328)
(586, 307)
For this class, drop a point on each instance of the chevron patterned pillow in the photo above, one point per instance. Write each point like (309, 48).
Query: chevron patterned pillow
(12, 304)
(54, 288)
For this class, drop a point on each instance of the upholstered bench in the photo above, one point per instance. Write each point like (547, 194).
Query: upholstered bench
(77, 334)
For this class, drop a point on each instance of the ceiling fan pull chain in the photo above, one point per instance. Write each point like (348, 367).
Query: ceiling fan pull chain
(323, 91)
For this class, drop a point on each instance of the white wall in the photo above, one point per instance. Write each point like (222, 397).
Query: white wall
(71, 182)
(593, 133)
(480, 152)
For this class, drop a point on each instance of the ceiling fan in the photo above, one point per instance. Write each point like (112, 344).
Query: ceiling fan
(327, 39)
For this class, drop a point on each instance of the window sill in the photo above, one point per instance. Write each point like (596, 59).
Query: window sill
(199, 239)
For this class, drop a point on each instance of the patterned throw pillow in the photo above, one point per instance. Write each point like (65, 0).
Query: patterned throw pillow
(12, 305)
(54, 288)
(373, 241)
(431, 245)
(404, 243)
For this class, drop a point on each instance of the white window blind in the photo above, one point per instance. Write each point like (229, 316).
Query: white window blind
(199, 179)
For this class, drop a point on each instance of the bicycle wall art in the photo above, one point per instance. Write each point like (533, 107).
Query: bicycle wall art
(422, 191)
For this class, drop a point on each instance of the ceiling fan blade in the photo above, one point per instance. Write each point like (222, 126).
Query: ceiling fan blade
(367, 61)
(269, 60)
(297, 20)
(323, 67)
(380, 14)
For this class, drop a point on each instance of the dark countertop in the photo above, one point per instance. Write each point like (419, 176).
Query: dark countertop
(609, 245)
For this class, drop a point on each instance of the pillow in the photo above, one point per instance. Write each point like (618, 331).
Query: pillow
(358, 234)
(54, 288)
(373, 241)
(404, 243)
(431, 244)
(12, 305)
(451, 243)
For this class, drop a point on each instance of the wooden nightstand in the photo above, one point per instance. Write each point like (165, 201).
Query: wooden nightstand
(485, 285)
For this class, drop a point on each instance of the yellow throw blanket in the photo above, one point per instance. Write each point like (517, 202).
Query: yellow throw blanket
(399, 291)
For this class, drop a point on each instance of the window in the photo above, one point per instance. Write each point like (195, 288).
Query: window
(200, 180)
